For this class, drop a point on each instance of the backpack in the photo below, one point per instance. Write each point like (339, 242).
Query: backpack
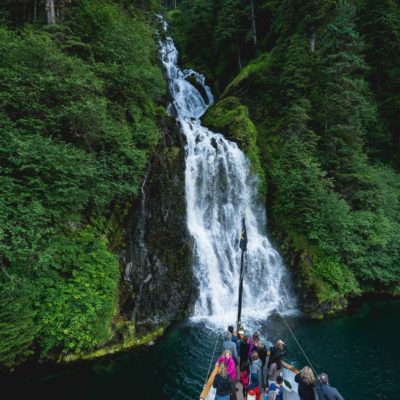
(244, 379)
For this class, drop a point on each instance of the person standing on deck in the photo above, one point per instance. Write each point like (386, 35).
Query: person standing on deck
(278, 351)
(254, 387)
(255, 367)
(276, 387)
(274, 370)
(223, 383)
(229, 345)
(253, 342)
(244, 351)
(234, 338)
(262, 355)
(226, 358)
(325, 391)
(306, 382)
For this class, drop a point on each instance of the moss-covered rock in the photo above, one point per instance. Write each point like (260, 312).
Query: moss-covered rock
(158, 256)
(231, 118)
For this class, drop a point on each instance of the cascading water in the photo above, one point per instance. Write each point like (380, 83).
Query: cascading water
(219, 187)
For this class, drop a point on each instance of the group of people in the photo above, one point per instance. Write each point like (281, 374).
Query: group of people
(246, 359)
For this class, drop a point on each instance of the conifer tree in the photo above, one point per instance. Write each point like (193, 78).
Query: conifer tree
(346, 95)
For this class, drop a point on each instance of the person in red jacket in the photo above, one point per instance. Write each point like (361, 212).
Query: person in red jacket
(245, 377)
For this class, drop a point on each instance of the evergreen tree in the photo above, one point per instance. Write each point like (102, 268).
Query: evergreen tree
(379, 22)
(346, 101)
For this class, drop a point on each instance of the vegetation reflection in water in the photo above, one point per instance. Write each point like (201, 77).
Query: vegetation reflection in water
(359, 352)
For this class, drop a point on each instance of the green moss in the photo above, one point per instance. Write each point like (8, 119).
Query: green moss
(134, 341)
(255, 67)
(231, 118)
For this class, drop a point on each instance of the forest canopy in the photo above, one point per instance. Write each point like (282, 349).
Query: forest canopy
(320, 81)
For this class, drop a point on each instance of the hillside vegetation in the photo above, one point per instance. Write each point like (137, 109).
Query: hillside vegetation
(320, 82)
(77, 111)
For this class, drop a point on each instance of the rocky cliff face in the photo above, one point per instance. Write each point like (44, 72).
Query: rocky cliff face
(158, 258)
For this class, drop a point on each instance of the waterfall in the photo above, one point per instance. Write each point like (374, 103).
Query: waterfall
(219, 187)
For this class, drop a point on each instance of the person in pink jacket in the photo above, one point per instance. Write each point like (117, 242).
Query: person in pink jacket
(229, 362)
(227, 359)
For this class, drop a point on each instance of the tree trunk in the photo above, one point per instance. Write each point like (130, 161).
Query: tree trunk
(239, 60)
(312, 39)
(253, 23)
(35, 9)
(50, 12)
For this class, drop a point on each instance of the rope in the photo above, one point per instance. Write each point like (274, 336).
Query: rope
(215, 347)
(298, 344)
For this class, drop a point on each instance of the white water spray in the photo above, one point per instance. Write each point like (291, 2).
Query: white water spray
(219, 187)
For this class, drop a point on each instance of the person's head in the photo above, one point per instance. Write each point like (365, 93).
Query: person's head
(230, 329)
(246, 366)
(279, 344)
(227, 353)
(228, 336)
(271, 395)
(260, 345)
(324, 378)
(307, 376)
(256, 336)
(279, 380)
(245, 339)
(222, 369)
(254, 356)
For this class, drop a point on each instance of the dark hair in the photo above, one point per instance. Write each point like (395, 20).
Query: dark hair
(278, 362)
(245, 339)
(279, 379)
(230, 328)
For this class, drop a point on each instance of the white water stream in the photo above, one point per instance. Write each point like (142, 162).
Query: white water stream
(219, 187)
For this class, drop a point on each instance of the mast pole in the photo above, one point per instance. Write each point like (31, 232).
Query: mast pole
(239, 322)
(243, 246)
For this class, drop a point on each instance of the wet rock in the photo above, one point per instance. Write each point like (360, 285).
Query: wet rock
(158, 257)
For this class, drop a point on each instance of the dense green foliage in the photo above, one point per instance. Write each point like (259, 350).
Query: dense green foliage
(77, 106)
(322, 89)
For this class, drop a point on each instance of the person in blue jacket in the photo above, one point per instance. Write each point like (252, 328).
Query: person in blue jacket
(276, 387)
(325, 391)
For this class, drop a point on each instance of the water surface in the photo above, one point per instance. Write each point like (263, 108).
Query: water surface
(360, 353)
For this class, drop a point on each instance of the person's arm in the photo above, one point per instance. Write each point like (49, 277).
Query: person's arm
(284, 350)
(297, 378)
(337, 395)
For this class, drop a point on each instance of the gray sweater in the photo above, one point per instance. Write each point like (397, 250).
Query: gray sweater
(229, 345)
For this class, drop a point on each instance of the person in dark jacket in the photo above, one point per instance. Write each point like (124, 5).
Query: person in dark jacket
(325, 391)
(244, 351)
(306, 382)
(262, 355)
(278, 351)
(223, 383)
(234, 338)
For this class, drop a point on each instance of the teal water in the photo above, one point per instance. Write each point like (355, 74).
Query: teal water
(360, 353)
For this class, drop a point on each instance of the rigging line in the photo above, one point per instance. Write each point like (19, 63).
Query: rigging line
(308, 360)
(215, 346)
